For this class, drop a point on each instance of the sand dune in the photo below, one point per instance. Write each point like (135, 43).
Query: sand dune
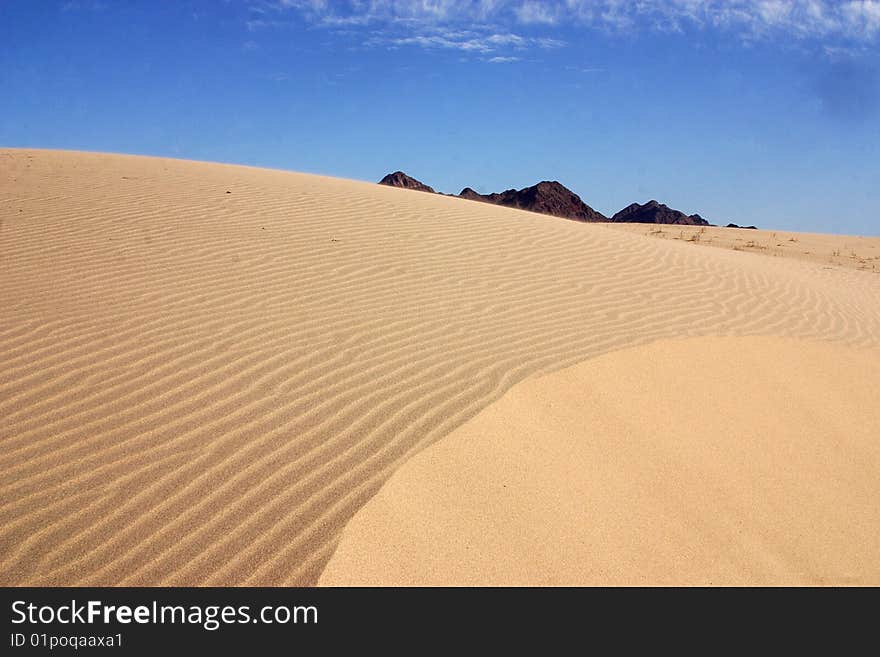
(735, 461)
(207, 370)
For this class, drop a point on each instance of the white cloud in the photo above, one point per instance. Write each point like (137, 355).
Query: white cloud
(472, 45)
(84, 5)
(544, 42)
(506, 40)
(862, 17)
(475, 41)
(824, 19)
(500, 31)
(536, 12)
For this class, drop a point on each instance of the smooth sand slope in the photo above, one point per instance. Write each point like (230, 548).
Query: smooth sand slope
(202, 387)
(702, 461)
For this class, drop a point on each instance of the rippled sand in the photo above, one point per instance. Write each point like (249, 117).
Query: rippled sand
(207, 370)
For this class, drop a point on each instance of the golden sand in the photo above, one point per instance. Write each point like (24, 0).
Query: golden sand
(207, 370)
(734, 461)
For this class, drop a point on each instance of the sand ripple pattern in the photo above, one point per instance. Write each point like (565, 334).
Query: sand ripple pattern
(201, 388)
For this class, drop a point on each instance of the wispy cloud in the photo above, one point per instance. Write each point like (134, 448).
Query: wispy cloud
(84, 5)
(468, 41)
(505, 31)
(855, 20)
(750, 19)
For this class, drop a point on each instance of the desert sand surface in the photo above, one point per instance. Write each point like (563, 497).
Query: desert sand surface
(852, 251)
(207, 370)
(706, 461)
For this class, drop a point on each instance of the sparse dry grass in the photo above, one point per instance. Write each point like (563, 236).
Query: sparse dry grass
(840, 251)
(698, 236)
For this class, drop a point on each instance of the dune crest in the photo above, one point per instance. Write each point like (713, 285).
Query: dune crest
(703, 461)
(206, 369)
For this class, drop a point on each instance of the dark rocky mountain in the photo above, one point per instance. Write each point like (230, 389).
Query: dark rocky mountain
(400, 179)
(653, 212)
(471, 195)
(737, 226)
(547, 197)
(553, 198)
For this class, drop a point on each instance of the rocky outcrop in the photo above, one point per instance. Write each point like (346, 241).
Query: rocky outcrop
(553, 198)
(400, 179)
(653, 212)
(547, 197)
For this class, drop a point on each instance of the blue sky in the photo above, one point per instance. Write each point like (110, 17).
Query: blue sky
(750, 111)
